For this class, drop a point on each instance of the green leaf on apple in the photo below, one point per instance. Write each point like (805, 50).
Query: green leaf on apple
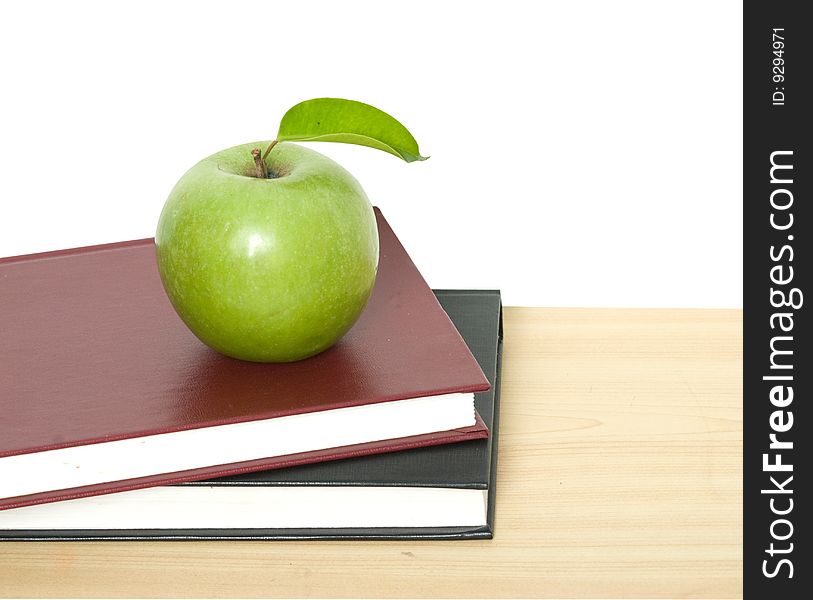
(349, 122)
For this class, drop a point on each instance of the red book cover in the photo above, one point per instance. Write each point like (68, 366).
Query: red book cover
(92, 352)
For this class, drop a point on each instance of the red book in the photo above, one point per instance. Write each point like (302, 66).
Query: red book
(104, 389)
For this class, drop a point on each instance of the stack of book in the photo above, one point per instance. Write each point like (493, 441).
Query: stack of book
(117, 423)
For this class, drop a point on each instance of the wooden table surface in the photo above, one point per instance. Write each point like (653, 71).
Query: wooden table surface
(620, 476)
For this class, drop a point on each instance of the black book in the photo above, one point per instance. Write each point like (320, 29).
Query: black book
(435, 492)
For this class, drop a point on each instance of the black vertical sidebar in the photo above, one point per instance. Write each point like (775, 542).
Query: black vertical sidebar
(777, 558)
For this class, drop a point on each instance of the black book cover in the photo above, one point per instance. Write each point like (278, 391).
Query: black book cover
(472, 464)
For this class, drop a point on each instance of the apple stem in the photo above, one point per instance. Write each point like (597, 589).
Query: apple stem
(268, 150)
(259, 164)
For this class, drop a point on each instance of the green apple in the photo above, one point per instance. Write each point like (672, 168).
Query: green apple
(268, 269)
(271, 257)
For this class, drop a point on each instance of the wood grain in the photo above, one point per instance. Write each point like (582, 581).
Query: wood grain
(620, 476)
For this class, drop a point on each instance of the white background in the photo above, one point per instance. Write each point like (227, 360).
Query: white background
(583, 153)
